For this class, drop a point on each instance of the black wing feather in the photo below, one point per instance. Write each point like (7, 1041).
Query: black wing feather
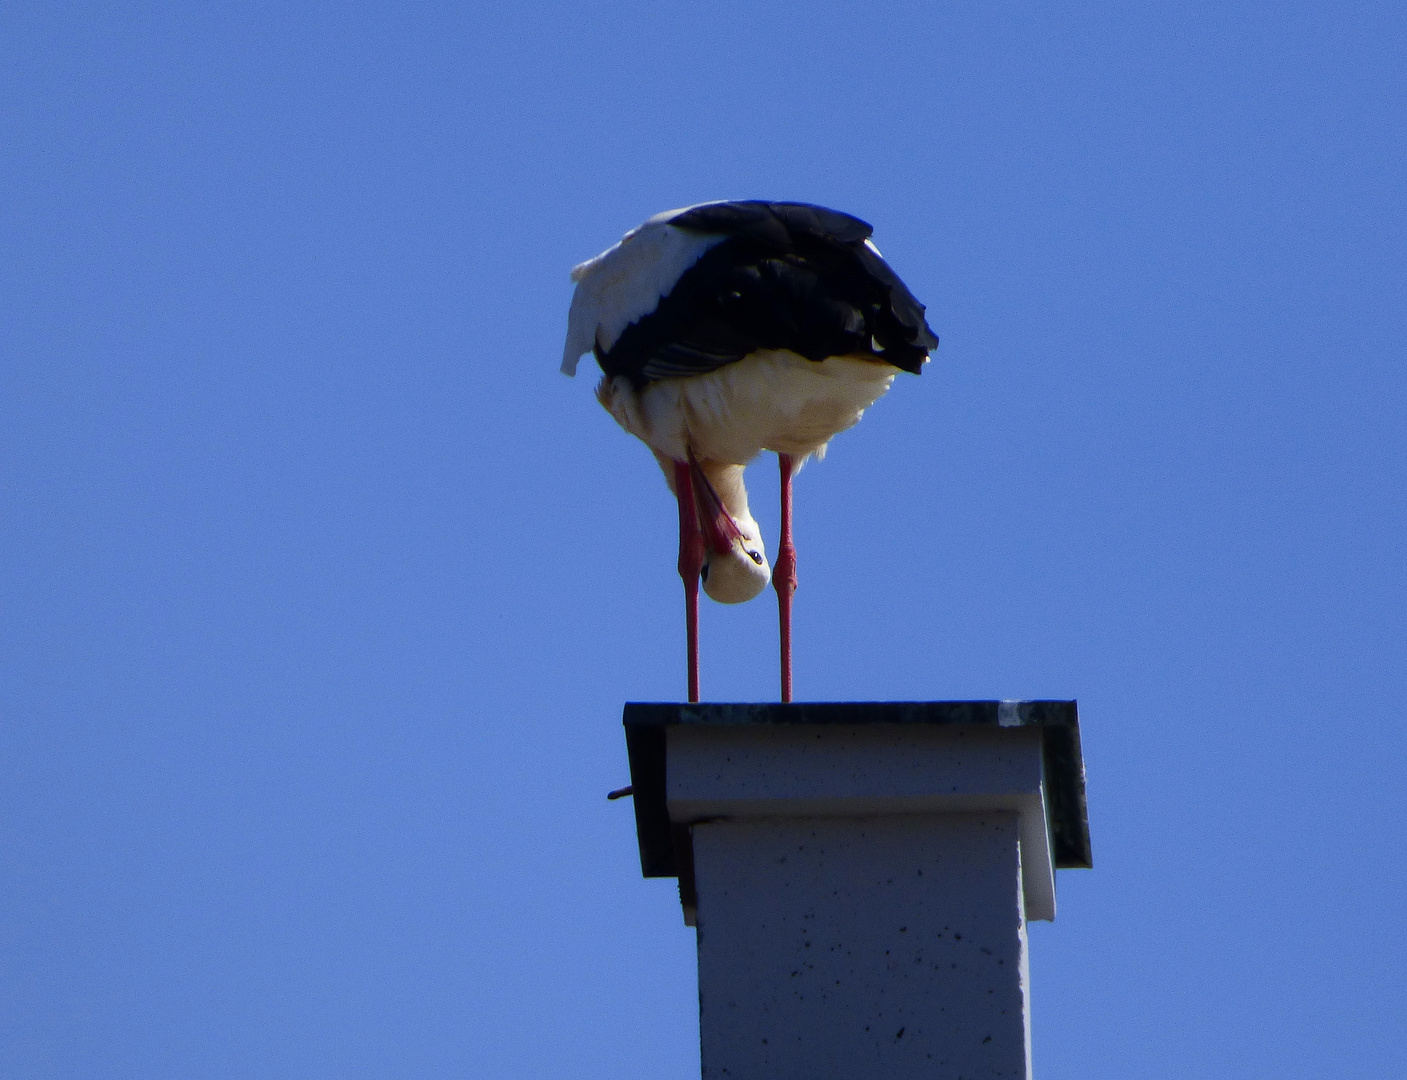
(789, 276)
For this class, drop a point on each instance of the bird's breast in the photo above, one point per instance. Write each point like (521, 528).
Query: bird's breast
(770, 400)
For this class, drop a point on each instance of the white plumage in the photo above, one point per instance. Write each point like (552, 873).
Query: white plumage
(772, 399)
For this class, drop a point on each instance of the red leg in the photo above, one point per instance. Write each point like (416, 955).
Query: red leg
(691, 558)
(784, 575)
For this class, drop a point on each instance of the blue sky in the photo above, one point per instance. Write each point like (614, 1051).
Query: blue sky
(322, 589)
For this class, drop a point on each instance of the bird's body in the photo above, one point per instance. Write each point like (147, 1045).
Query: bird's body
(771, 400)
(730, 328)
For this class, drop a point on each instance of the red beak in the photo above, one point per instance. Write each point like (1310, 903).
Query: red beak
(719, 528)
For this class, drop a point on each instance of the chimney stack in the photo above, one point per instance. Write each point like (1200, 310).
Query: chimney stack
(860, 876)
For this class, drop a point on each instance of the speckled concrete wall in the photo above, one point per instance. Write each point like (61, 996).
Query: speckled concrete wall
(853, 948)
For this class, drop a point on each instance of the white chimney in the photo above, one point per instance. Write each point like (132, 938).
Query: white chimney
(860, 876)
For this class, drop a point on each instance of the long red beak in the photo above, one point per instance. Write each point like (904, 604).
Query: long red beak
(719, 528)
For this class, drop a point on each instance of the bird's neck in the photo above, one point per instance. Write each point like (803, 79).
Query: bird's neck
(727, 480)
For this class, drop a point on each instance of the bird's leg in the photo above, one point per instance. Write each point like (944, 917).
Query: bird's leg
(784, 575)
(691, 559)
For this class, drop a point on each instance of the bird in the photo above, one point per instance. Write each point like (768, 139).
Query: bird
(730, 328)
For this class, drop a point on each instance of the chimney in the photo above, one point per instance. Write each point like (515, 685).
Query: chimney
(860, 876)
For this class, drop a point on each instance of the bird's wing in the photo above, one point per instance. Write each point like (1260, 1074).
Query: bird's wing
(784, 276)
(694, 289)
(625, 283)
(774, 223)
(740, 297)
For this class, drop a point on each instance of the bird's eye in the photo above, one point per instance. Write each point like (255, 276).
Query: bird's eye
(755, 557)
(703, 572)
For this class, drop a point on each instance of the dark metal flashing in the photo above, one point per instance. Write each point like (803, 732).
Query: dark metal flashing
(667, 849)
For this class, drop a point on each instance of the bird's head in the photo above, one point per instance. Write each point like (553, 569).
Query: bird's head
(740, 570)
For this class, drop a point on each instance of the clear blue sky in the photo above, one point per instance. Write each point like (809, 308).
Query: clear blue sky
(322, 589)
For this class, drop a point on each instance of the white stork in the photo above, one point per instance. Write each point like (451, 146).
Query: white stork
(729, 328)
